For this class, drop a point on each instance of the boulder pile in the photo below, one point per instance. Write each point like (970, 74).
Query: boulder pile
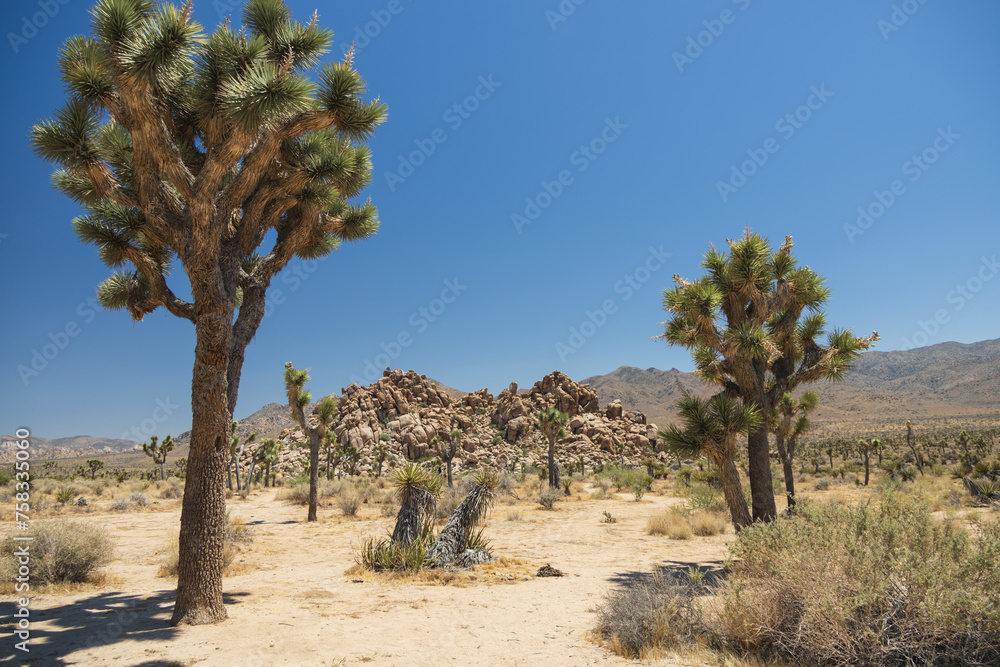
(411, 415)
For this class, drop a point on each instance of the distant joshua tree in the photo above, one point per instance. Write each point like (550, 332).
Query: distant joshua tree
(552, 422)
(447, 451)
(788, 422)
(94, 465)
(158, 451)
(298, 399)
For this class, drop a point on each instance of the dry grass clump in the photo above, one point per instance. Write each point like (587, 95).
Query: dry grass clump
(706, 524)
(672, 523)
(60, 552)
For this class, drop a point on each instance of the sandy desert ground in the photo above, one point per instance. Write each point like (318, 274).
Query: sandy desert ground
(294, 603)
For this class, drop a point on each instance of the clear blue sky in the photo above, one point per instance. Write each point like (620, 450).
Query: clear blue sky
(619, 126)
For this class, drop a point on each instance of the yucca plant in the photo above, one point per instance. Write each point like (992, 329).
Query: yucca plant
(417, 491)
(745, 325)
(454, 539)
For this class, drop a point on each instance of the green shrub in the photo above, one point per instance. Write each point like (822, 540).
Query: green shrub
(64, 495)
(883, 583)
(349, 502)
(702, 496)
(61, 551)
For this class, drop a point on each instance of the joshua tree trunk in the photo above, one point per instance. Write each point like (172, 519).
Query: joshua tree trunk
(762, 491)
(553, 472)
(786, 464)
(313, 473)
(729, 478)
(450, 485)
(203, 510)
(867, 456)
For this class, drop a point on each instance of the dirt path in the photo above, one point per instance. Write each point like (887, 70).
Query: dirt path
(294, 604)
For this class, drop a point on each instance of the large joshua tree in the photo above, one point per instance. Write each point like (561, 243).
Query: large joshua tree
(197, 149)
(710, 429)
(298, 399)
(746, 325)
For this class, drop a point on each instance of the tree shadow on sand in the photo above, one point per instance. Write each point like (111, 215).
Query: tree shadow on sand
(712, 572)
(101, 619)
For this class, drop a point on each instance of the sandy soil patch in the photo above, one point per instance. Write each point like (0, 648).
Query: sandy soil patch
(293, 602)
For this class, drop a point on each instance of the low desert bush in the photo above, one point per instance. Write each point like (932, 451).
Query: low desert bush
(61, 551)
(672, 523)
(882, 583)
(641, 619)
(704, 496)
(349, 502)
(548, 498)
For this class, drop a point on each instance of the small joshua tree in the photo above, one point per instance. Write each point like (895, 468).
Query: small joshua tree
(381, 451)
(913, 448)
(447, 451)
(333, 452)
(788, 422)
(298, 399)
(158, 451)
(710, 429)
(552, 422)
(94, 465)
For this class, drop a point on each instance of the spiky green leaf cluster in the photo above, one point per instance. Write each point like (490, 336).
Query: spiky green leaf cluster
(158, 111)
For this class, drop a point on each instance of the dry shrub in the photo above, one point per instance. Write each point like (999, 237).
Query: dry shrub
(349, 501)
(641, 619)
(60, 551)
(882, 583)
(548, 498)
(671, 523)
(706, 524)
